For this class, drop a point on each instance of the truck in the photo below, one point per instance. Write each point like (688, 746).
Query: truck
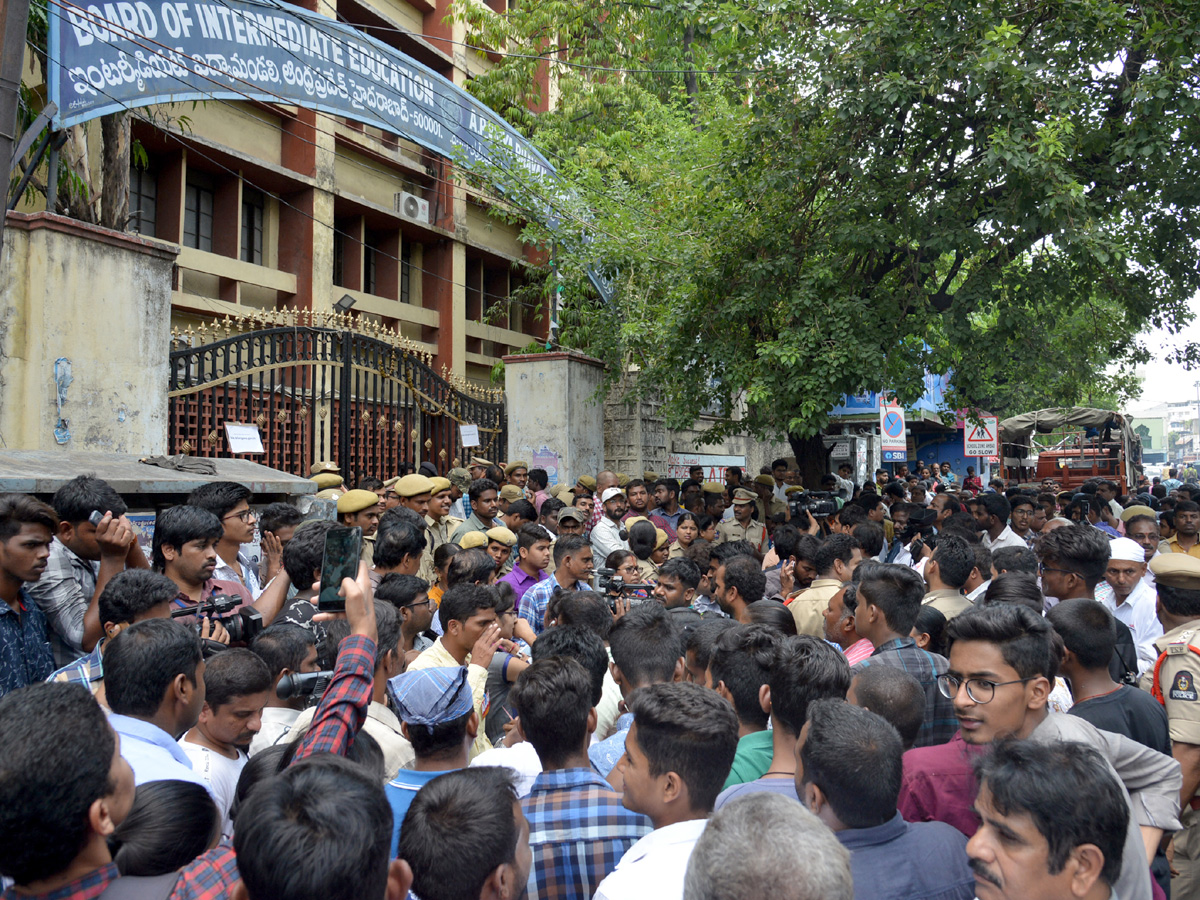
(1079, 443)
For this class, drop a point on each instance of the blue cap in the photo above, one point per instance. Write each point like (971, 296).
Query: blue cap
(430, 697)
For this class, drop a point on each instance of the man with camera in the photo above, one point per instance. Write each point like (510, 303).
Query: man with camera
(93, 542)
(185, 550)
(131, 597)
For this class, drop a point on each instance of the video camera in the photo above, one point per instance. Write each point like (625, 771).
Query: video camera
(609, 582)
(818, 504)
(242, 626)
(310, 684)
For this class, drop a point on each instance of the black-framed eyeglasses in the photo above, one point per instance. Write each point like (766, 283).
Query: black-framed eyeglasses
(980, 690)
(1042, 569)
(245, 515)
(428, 601)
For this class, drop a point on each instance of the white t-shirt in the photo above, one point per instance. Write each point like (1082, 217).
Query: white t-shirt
(221, 773)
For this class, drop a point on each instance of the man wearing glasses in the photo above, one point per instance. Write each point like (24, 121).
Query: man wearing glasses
(1003, 660)
(230, 502)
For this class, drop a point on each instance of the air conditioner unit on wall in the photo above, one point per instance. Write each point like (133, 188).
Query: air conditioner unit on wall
(412, 207)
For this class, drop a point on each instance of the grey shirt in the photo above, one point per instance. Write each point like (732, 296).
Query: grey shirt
(1151, 781)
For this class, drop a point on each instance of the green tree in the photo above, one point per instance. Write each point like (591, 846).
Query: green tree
(860, 190)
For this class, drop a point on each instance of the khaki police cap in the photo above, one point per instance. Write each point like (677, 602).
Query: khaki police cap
(793, 489)
(622, 480)
(511, 492)
(765, 480)
(460, 478)
(413, 486)
(327, 480)
(1177, 570)
(661, 539)
(514, 465)
(571, 512)
(330, 494)
(741, 495)
(440, 484)
(357, 500)
(587, 481)
(473, 539)
(391, 482)
(480, 461)
(324, 466)
(633, 520)
(502, 535)
(649, 475)
(713, 487)
(1138, 510)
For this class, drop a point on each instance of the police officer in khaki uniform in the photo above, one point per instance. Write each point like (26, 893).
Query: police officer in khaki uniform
(742, 526)
(441, 523)
(765, 500)
(1173, 683)
(361, 509)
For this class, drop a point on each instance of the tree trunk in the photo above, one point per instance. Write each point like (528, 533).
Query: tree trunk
(812, 459)
(114, 198)
(76, 194)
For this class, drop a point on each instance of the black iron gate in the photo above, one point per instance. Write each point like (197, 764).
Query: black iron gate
(322, 386)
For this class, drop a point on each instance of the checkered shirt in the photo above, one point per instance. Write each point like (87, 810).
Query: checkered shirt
(578, 832)
(903, 653)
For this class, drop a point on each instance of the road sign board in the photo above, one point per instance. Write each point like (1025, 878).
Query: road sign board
(982, 438)
(893, 443)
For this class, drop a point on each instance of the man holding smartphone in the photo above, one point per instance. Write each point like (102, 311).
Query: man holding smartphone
(93, 543)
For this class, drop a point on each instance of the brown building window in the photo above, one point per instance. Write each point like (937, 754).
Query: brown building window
(198, 215)
(252, 225)
(143, 201)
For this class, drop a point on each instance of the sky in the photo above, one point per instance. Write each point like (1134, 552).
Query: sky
(1162, 381)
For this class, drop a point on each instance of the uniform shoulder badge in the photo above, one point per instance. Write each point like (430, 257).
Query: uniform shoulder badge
(1183, 687)
(1179, 645)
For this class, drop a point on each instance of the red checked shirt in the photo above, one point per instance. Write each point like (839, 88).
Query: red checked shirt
(338, 718)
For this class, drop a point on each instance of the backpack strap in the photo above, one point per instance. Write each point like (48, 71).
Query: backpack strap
(137, 887)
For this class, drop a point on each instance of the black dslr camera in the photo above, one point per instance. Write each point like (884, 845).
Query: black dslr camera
(243, 625)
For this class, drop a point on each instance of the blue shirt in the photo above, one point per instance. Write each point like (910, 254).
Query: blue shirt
(532, 606)
(401, 791)
(25, 654)
(152, 753)
(901, 860)
(605, 754)
(578, 832)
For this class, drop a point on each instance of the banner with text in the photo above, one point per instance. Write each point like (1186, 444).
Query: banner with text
(714, 466)
(109, 56)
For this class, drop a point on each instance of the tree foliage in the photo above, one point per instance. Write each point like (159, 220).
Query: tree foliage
(809, 198)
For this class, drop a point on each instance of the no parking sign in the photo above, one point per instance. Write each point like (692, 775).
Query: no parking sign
(893, 443)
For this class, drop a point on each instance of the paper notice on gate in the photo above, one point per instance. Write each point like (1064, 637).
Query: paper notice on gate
(470, 435)
(243, 438)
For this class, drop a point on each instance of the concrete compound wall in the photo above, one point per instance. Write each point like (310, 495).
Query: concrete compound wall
(554, 419)
(84, 337)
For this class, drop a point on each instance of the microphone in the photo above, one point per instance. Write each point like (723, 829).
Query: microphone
(294, 685)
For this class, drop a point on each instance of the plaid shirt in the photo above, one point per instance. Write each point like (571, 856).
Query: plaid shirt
(63, 593)
(532, 607)
(337, 720)
(578, 832)
(88, 671)
(903, 653)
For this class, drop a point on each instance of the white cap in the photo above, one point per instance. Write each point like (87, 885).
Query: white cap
(611, 492)
(1126, 549)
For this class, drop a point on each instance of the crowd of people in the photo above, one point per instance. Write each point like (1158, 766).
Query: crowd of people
(617, 688)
